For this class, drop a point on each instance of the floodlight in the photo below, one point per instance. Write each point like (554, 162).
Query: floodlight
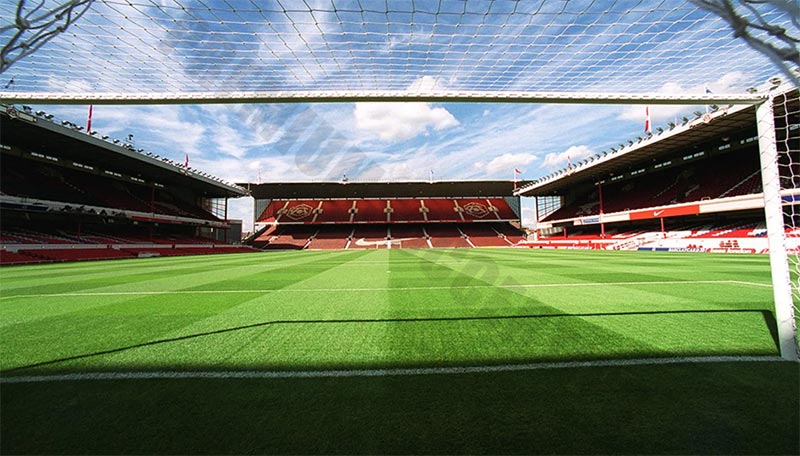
(40, 113)
(104, 137)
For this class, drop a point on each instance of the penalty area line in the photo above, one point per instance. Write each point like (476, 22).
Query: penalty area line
(391, 372)
(368, 289)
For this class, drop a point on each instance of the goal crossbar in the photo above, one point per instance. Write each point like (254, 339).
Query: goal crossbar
(380, 96)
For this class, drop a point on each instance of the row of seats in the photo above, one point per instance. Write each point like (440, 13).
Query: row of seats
(387, 210)
(81, 254)
(335, 237)
(26, 178)
(63, 236)
(60, 244)
(736, 175)
(699, 231)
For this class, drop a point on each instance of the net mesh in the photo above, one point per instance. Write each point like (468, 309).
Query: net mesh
(787, 136)
(183, 47)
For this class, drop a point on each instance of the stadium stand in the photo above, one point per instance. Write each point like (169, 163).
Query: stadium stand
(387, 215)
(68, 196)
(336, 211)
(294, 238)
(446, 235)
(693, 187)
(407, 210)
(375, 211)
(441, 210)
(369, 237)
(736, 174)
(410, 236)
(331, 237)
(484, 235)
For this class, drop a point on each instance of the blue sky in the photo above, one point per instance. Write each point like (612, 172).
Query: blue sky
(145, 46)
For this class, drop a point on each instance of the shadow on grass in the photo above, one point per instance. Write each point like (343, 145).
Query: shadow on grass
(769, 321)
(716, 408)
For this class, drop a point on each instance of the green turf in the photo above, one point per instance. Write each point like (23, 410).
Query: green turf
(399, 308)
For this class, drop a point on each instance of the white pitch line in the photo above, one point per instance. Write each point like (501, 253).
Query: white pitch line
(335, 290)
(399, 372)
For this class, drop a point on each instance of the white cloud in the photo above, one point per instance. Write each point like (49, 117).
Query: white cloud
(240, 129)
(164, 130)
(665, 113)
(426, 84)
(401, 121)
(573, 154)
(505, 164)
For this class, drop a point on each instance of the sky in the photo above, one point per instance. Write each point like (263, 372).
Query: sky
(140, 47)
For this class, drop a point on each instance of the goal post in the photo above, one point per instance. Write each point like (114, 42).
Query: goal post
(776, 229)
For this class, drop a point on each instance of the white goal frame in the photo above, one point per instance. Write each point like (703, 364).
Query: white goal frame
(778, 257)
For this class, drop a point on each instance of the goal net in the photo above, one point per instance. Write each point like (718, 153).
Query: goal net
(203, 51)
(787, 141)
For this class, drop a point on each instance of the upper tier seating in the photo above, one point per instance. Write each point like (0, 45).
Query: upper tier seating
(340, 211)
(407, 210)
(27, 178)
(736, 175)
(441, 210)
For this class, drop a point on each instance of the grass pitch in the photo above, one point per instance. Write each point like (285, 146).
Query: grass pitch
(223, 325)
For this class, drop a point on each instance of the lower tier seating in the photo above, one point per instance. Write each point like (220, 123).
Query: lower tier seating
(20, 245)
(380, 236)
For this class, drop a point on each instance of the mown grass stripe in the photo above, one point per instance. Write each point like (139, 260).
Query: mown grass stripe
(369, 289)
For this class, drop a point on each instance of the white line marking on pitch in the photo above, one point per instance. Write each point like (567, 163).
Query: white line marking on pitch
(334, 290)
(162, 375)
